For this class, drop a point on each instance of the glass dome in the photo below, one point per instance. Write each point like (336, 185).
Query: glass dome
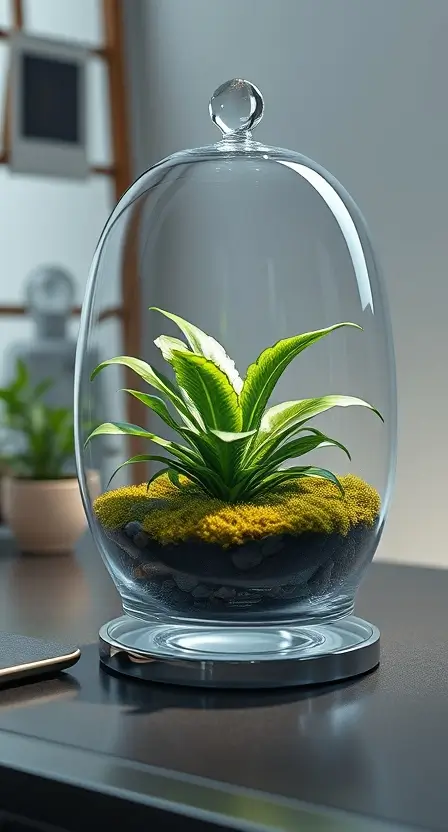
(251, 545)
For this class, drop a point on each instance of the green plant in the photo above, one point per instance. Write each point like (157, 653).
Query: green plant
(38, 439)
(234, 445)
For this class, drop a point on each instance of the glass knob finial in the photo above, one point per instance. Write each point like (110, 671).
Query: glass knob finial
(236, 107)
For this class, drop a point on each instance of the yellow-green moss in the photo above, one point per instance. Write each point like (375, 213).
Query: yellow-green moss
(305, 505)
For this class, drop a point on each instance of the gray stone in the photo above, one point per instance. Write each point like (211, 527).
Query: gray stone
(131, 551)
(201, 591)
(225, 593)
(185, 582)
(288, 590)
(276, 592)
(272, 545)
(247, 558)
(141, 540)
(132, 528)
(246, 595)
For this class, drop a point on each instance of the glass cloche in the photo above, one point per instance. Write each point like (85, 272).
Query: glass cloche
(257, 481)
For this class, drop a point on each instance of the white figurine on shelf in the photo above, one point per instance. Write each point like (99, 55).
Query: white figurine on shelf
(50, 352)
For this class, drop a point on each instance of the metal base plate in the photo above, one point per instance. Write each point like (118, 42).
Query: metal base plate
(262, 656)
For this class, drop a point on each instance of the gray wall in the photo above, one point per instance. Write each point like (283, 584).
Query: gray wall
(361, 87)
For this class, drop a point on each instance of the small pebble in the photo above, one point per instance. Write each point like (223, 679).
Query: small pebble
(246, 558)
(201, 591)
(225, 593)
(132, 528)
(272, 545)
(141, 539)
(138, 573)
(185, 582)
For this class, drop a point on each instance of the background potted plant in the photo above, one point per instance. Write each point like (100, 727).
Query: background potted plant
(4, 484)
(40, 494)
(224, 526)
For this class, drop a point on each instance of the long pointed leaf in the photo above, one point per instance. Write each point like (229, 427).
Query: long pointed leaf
(281, 420)
(210, 390)
(156, 476)
(203, 344)
(189, 472)
(42, 387)
(151, 376)
(147, 458)
(156, 404)
(125, 429)
(304, 445)
(174, 478)
(263, 375)
(22, 376)
(282, 477)
(131, 461)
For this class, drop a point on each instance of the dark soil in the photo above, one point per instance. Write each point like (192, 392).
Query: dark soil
(268, 573)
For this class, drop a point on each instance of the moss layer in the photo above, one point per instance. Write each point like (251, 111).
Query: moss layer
(305, 505)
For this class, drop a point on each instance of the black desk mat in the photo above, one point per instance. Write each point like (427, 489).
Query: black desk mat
(376, 746)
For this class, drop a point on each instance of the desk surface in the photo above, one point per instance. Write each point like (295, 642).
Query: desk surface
(377, 746)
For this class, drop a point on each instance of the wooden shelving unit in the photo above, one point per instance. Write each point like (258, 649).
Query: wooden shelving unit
(119, 171)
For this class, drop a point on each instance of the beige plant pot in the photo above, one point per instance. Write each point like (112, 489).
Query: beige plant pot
(47, 516)
(5, 500)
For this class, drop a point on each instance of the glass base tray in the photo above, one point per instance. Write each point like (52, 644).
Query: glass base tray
(224, 656)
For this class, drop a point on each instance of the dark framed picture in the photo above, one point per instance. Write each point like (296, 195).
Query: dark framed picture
(48, 107)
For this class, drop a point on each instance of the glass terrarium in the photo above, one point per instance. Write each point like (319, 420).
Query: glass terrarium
(251, 495)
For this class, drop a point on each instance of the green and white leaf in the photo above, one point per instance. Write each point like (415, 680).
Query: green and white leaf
(230, 437)
(205, 345)
(166, 344)
(209, 389)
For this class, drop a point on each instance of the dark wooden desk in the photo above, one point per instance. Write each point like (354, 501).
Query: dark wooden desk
(374, 748)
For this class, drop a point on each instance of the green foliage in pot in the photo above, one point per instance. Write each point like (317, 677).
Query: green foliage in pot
(38, 439)
(234, 445)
